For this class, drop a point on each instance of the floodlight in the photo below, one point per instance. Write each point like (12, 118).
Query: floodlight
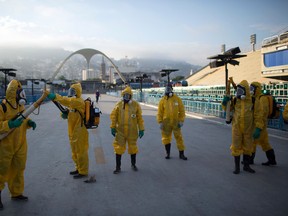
(12, 74)
(234, 62)
(232, 51)
(216, 63)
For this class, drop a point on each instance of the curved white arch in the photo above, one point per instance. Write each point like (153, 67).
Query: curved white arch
(88, 54)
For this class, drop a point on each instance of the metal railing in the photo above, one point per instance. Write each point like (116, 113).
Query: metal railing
(207, 108)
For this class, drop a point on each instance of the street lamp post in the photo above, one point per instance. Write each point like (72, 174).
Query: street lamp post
(228, 57)
(32, 87)
(140, 78)
(166, 72)
(7, 72)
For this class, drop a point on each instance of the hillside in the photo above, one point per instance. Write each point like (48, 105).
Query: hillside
(42, 62)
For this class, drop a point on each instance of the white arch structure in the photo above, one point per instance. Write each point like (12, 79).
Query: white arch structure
(88, 54)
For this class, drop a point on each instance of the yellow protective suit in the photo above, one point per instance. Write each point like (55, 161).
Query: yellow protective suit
(263, 101)
(13, 148)
(127, 119)
(78, 134)
(285, 113)
(171, 112)
(242, 123)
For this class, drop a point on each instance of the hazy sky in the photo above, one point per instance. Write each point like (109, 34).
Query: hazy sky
(187, 30)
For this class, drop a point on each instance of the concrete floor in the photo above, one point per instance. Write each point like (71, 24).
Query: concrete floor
(203, 185)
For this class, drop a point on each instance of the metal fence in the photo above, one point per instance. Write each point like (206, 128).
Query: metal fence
(204, 107)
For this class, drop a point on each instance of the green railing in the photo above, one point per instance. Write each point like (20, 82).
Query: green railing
(199, 105)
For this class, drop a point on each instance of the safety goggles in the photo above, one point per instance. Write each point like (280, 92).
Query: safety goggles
(240, 91)
(21, 94)
(71, 92)
(126, 96)
(168, 90)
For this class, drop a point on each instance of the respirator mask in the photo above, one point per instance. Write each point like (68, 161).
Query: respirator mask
(71, 92)
(240, 92)
(126, 98)
(21, 97)
(168, 91)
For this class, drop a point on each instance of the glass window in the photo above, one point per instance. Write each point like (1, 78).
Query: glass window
(276, 58)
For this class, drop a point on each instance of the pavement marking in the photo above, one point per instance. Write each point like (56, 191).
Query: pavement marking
(99, 155)
(278, 137)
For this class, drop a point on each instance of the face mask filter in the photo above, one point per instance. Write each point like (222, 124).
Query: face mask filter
(21, 97)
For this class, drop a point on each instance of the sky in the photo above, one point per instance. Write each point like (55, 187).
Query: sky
(185, 30)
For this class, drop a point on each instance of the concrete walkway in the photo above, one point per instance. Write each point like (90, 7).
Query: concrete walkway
(203, 185)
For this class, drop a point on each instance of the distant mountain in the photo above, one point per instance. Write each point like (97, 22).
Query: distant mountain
(43, 62)
(156, 65)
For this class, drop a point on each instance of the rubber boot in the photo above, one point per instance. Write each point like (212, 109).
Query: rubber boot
(237, 164)
(251, 162)
(118, 164)
(19, 198)
(133, 162)
(1, 204)
(252, 158)
(271, 158)
(246, 161)
(182, 156)
(167, 148)
(74, 172)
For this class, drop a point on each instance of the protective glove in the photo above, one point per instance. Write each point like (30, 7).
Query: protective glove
(141, 133)
(32, 124)
(51, 96)
(64, 115)
(180, 124)
(161, 126)
(225, 100)
(113, 131)
(256, 133)
(15, 123)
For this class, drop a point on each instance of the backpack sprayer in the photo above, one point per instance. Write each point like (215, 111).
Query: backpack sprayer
(91, 114)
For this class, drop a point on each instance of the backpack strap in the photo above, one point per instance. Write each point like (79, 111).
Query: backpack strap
(82, 122)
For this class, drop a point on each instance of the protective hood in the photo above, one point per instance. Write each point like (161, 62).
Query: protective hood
(78, 89)
(127, 90)
(258, 88)
(245, 84)
(11, 91)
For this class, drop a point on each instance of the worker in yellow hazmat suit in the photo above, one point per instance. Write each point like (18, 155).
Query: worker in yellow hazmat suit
(78, 134)
(261, 134)
(242, 125)
(126, 126)
(285, 113)
(13, 148)
(170, 117)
